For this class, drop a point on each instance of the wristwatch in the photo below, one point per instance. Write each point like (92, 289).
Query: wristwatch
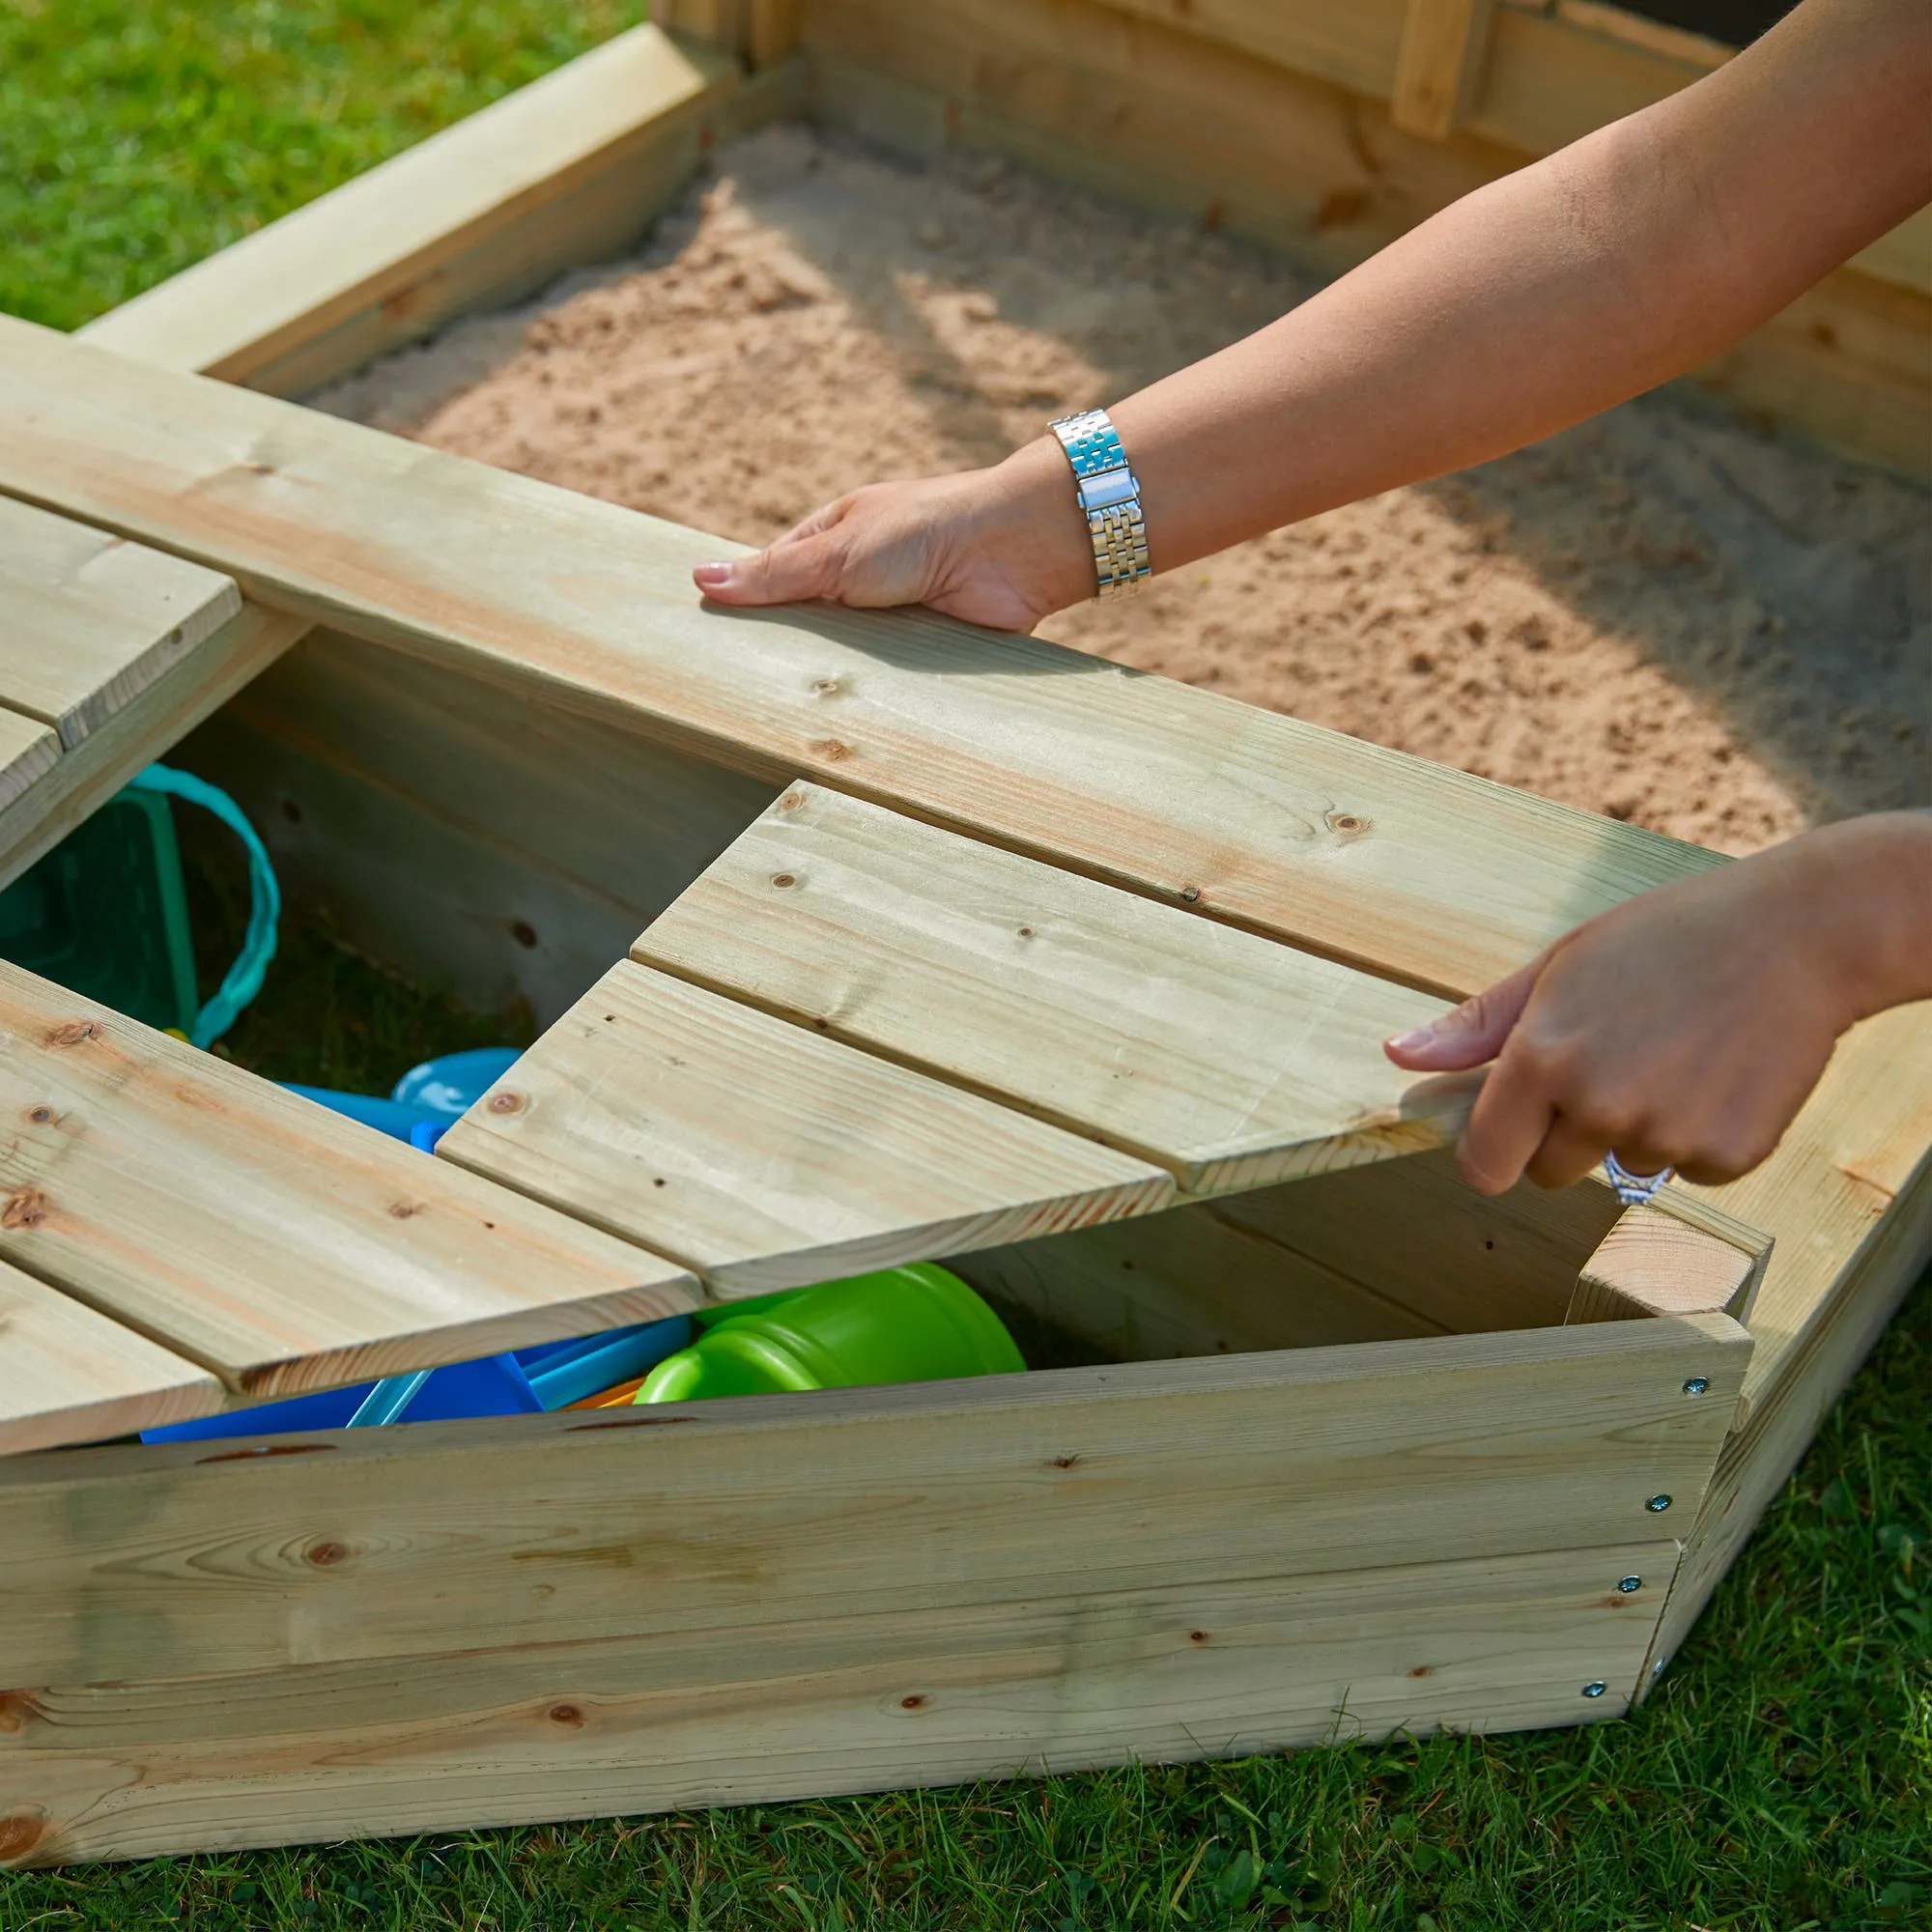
(1110, 495)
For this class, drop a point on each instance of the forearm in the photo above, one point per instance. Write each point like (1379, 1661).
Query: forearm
(1869, 904)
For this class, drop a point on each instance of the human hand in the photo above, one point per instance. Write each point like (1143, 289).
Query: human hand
(1685, 1027)
(1002, 547)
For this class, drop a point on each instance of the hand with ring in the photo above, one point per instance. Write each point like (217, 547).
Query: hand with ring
(1685, 1028)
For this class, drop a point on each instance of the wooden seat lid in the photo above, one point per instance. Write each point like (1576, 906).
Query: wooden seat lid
(858, 1039)
(200, 1238)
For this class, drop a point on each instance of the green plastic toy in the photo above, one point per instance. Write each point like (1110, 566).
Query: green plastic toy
(903, 1324)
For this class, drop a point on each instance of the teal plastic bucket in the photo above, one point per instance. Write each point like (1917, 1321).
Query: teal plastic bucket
(903, 1324)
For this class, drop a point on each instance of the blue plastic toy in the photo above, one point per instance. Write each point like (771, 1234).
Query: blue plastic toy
(550, 1376)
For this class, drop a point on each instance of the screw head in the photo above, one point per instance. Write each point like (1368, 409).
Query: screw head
(1696, 1385)
(1657, 1505)
(1595, 1690)
(1629, 1586)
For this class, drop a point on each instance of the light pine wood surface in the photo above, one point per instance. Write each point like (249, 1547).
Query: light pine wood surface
(143, 730)
(1651, 1264)
(1227, 1059)
(1422, 874)
(87, 620)
(263, 1237)
(865, 1700)
(1186, 1282)
(734, 1513)
(764, 1156)
(67, 1374)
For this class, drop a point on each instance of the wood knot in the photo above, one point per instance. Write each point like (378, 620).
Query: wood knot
(1422, 1670)
(791, 801)
(71, 1033)
(26, 1207)
(1190, 894)
(1026, 932)
(404, 1210)
(916, 1702)
(327, 1555)
(784, 879)
(20, 1835)
(1197, 1637)
(827, 687)
(834, 750)
(523, 933)
(567, 1714)
(1348, 824)
(41, 1115)
(505, 1103)
(17, 1710)
(1066, 1462)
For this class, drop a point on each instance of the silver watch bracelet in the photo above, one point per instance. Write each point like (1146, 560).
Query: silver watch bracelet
(1110, 499)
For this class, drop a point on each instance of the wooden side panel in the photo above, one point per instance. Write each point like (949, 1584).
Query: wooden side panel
(1186, 1282)
(1755, 1463)
(1426, 875)
(459, 831)
(1226, 1059)
(1418, 1235)
(765, 1157)
(732, 1514)
(571, 168)
(33, 821)
(67, 1374)
(861, 1703)
(262, 1235)
(87, 620)
(1836, 1184)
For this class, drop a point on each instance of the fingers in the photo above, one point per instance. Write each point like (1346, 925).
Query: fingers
(1473, 1032)
(791, 569)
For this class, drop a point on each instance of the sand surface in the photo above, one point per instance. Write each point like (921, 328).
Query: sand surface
(1659, 615)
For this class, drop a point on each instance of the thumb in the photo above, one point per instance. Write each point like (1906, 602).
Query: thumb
(791, 569)
(1472, 1033)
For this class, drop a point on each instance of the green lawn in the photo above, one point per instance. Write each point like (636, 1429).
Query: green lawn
(1780, 1780)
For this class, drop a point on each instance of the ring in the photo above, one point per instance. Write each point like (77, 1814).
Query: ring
(1635, 1190)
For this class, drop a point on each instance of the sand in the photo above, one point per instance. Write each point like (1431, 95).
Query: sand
(1662, 614)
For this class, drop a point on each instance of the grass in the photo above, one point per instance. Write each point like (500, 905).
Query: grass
(1780, 1779)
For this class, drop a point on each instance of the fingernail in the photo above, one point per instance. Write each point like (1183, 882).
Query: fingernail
(713, 576)
(1414, 1040)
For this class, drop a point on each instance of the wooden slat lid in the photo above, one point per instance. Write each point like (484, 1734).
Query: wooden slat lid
(88, 620)
(258, 1235)
(1227, 1059)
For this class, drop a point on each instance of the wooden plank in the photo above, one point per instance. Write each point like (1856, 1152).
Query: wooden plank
(28, 752)
(87, 620)
(1228, 1060)
(67, 1374)
(763, 1156)
(1354, 43)
(1415, 1233)
(573, 167)
(728, 1515)
(851, 1703)
(33, 821)
(1826, 1194)
(1186, 1282)
(454, 830)
(1438, 71)
(1141, 110)
(262, 1235)
(1423, 874)
(1755, 1463)
(1650, 1263)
